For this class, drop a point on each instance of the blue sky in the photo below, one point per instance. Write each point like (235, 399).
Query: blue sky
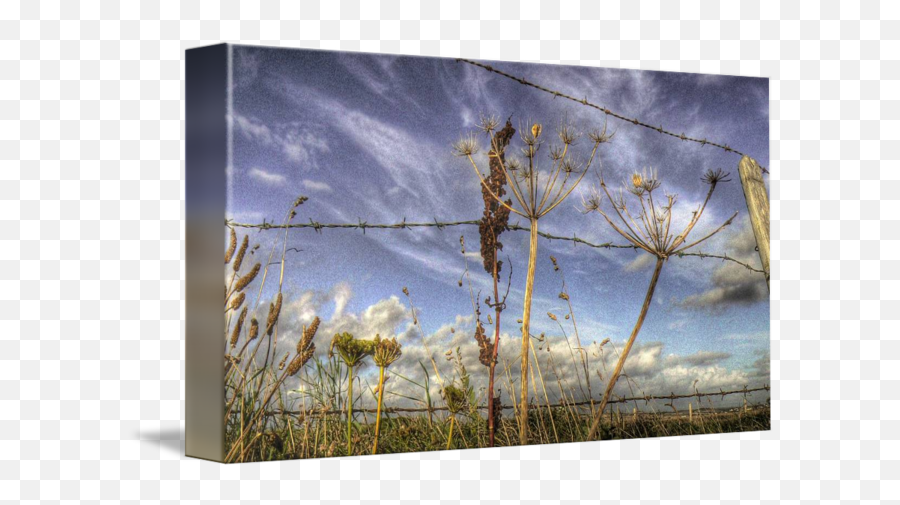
(368, 137)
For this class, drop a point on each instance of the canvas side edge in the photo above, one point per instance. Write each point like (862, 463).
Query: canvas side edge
(206, 160)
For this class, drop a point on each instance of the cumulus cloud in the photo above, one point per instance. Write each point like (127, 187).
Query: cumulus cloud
(732, 284)
(649, 369)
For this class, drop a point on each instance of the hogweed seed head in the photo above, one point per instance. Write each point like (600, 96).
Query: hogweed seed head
(467, 145)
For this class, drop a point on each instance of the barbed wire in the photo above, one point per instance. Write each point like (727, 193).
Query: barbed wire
(646, 399)
(364, 225)
(584, 101)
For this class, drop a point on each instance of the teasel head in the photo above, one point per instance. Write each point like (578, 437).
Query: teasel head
(232, 245)
(274, 311)
(387, 351)
(235, 334)
(246, 279)
(240, 254)
(254, 329)
(236, 302)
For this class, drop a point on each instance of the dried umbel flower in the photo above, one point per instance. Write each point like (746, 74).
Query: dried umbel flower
(274, 311)
(245, 280)
(466, 146)
(254, 329)
(714, 177)
(240, 255)
(236, 301)
(455, 398)
(235, 334)
(232, 244)
(387, 351)
(351, 350)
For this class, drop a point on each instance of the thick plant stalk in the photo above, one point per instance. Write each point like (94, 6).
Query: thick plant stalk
(378, 415)
(621, 363)
(526, 336)
(350, 411)
(491, 427)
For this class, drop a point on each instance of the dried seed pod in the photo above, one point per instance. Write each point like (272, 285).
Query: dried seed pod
(284, 360)
(274, 311)
(564, 296)
(232, 244)
(236, 302)
(551, 316)
(235, 334)
(254, 329)
(244, 281)
(240, 255)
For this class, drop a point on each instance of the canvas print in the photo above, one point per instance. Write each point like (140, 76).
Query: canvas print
(433, 254)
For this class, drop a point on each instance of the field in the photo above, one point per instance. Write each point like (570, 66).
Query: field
(560, 299)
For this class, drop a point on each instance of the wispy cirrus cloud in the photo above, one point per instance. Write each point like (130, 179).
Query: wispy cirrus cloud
(266, 176)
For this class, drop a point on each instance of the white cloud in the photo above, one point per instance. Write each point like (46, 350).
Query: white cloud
(316, 186)
(300, 144)
(266, 176)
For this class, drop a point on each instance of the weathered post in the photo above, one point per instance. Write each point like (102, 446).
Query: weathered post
(758, 206)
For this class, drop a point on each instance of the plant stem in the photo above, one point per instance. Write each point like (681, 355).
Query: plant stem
(349, 410)
(378, 415)
(450, 436)
(621, 363)
(526, 320)
(497, 311)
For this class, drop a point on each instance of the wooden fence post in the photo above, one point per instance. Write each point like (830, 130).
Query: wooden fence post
(758, 206)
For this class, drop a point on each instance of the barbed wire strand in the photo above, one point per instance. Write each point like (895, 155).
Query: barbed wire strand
(363, 225)
(646, 399)
(584, 101)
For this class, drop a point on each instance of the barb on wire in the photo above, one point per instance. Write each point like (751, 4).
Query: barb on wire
(584, 101)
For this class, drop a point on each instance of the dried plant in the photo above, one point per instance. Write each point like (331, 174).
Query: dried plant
(235, 334)
(386, 352)
(494, 222)
(232, 245)
(352, 351)
(537, 192)
(647, 225)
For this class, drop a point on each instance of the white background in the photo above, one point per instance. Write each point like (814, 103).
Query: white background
(92, 248)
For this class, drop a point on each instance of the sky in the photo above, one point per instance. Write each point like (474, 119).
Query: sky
(369, 138)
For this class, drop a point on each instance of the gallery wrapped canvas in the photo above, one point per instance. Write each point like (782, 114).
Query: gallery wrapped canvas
(432, 254)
